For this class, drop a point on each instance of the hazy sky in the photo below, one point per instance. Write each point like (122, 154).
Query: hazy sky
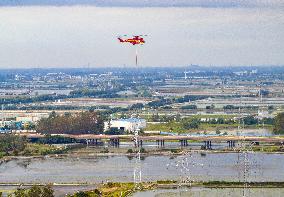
(204, 32)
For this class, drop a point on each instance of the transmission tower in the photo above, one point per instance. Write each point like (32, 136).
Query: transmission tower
(137, 173)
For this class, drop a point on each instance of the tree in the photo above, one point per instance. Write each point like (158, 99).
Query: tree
(12, 143)
(270, 107)
(268, 121)
(213, 121)
(114, 131)
(81, 194)
(191, 124)
(137, 106)
(218, 132)
(82, 123)
(47, 191)
(34, 191)
(189, 107)
(249, 120)
(155, 117)
(279, 124)
(20, 193)
(221, 121)
(212, 106)
(178, 117)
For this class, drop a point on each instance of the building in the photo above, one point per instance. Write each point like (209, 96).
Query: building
(25, 119)
(127, 125)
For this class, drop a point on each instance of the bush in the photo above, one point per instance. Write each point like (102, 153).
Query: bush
(2, 154)
(10, 143)
(105, 150)
(142, 150)
(250, 120)
(27, 152)
(218, 132)
(34, 191)
(279, 124)
(114, 131)
(189, 107)
(81, 194)
(15, 152)
(130, 151)
(191, 124)
(166, 182)
(174, 151)
(56, 139)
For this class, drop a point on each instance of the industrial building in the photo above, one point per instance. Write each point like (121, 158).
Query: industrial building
(128, 125)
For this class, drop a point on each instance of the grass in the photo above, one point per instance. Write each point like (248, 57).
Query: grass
(171, 126)
(269, 149)
(119, 189)
(33, 149)
(176, 127)
(109, 190)
(126, 189)
(210, 127)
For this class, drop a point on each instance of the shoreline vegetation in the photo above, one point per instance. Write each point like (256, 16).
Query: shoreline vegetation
(43, 151)
(130, 156)
(18, 146)
(128, 188)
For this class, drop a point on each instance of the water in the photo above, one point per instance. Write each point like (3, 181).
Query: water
(95, 169)
(150, 145)
(213, 192)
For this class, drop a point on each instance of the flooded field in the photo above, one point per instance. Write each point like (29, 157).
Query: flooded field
(219, 192)
(95, 169)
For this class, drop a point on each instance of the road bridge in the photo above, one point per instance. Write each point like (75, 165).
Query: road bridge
(161, 139)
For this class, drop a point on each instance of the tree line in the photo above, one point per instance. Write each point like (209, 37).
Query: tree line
(11, 144)
(279, 124)
(82, 123)
(34, 191)
(163, 102)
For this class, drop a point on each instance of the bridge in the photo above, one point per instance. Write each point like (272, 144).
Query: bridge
(161, 139)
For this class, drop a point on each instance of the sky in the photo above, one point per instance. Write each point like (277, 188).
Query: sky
(57, 33)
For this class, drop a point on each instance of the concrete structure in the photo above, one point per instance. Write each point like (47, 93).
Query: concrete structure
(114, 140)
(27, 119)
(130, 124)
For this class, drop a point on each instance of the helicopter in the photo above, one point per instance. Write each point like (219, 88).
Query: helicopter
(135, 40)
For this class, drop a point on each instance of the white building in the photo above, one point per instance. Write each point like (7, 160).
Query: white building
(27, 119)
(130, 124)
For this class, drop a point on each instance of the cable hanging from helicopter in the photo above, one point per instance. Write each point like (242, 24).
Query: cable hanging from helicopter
(134, 40)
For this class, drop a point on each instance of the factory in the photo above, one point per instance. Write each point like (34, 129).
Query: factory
(127, 125)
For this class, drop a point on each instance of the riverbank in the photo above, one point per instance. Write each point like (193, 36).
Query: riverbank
(129, 188)
(109, 167)
(103, 152)
(76, 172)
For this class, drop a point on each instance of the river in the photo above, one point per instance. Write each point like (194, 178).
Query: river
(213, 192)
(95, 169)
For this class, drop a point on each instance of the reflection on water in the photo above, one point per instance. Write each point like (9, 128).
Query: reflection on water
(220, 192)
(24, 163)
(95, 169)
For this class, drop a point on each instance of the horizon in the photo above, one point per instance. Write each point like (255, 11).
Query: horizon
(146, 3)
(151, 67)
